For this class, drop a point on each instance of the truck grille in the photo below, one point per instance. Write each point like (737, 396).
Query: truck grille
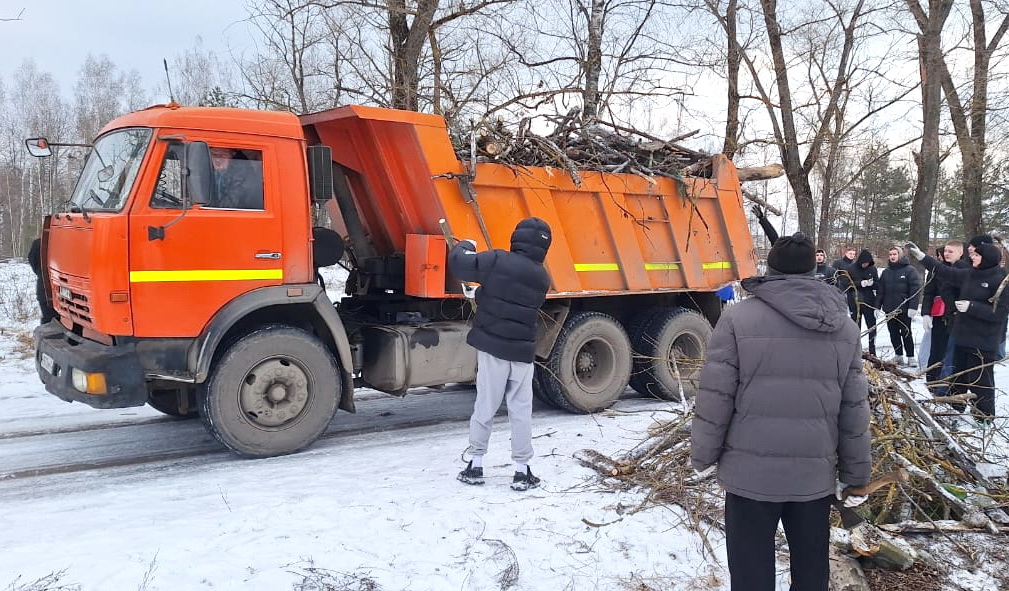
(72, 297)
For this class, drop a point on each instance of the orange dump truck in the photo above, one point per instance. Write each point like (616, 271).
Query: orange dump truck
(184, 269)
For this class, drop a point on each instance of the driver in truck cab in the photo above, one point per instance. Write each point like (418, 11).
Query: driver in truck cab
(238, 179)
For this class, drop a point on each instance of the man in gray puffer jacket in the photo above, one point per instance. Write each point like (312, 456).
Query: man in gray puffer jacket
(782, 411)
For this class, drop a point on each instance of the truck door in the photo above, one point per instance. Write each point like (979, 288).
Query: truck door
(209, 254)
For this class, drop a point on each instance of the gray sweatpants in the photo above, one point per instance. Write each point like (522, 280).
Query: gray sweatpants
(511, 381)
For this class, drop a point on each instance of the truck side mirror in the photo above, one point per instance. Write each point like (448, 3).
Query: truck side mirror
(38, 147)
(320, 173)
(199, 173)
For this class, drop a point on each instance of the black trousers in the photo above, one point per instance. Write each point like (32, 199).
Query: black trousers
(937, 350)
(974, 370)
(900, 334)
(750, 527)
(868, 313)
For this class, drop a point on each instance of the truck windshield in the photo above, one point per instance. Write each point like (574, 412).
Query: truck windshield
(110, 170)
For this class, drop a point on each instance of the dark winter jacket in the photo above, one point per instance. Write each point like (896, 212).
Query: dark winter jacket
(46, 311)
(781, 406)
(982, 326)
(841, 263)
(899, 286)
(513, 286)
(946, 289)
(825, 272)
(849, 280)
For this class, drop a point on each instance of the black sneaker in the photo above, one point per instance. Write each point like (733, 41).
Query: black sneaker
(471, 475)
(525, 481)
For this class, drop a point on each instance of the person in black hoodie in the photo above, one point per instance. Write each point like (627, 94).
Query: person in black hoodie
(979, 319)
(898, 293)
(513, 286)
(858, 282)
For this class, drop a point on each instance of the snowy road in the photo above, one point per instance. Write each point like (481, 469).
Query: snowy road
(149, 439)
(43, 451)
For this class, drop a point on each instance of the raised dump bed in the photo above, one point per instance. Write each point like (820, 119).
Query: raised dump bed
(613, 233)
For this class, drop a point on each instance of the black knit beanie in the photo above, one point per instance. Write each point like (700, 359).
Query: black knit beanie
(792, 255)
(980, 239)
(990, 255)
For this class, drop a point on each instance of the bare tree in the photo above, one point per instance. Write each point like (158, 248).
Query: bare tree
(102, 93)
(927, 159)
(200, 78)
(289, 70)
(970, 121)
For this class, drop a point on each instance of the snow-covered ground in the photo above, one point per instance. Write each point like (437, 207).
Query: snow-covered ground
(358, 510)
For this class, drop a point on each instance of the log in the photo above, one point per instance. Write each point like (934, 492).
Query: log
(876, 545)
(935, 527)
(760, 173)
(846, 573)
(761, 202)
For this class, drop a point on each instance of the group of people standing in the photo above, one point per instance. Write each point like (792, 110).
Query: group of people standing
(782, 413)
(893, 295)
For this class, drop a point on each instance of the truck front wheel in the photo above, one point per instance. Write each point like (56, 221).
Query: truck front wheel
(272, 392)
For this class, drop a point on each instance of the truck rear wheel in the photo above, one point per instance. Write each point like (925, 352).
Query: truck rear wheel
(669, 351)
(590, 364)
(273, 392)
(538, 392)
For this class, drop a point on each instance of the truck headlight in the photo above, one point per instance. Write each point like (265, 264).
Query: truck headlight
(89, 383)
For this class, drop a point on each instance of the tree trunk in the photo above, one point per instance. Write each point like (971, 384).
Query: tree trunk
(788, 143)
(927, 160)
(732, 77)
(593, 61)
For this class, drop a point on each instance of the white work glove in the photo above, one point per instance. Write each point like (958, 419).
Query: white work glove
(926, 322)
(912, 312)
(469, 290)
(962, 305)
(473, 242)
(702, 474)
(913, 250)
(852, 501)
(866, 283)
(880, 315)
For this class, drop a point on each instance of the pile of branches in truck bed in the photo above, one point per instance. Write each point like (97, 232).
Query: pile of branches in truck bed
(574, 145)
(955, 485)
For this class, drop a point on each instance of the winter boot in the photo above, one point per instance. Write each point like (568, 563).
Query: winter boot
(471, 475)
(911, 361)
(899, 359)
(525, 481)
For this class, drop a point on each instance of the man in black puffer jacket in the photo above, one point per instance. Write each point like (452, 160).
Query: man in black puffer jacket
(980, 323)
(858, 283)
(897, 294)
(782, 412)
(513, 286)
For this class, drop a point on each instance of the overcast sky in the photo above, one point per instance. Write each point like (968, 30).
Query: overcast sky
(135, 34)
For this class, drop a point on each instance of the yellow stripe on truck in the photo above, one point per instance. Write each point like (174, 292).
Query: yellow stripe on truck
(597, 267)
(205, 275)
(589, 267)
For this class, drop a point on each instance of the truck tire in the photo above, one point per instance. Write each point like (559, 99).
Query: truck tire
(539, 391)
(167, 401)
(272, 392)
(670, 341)
(590, 364)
